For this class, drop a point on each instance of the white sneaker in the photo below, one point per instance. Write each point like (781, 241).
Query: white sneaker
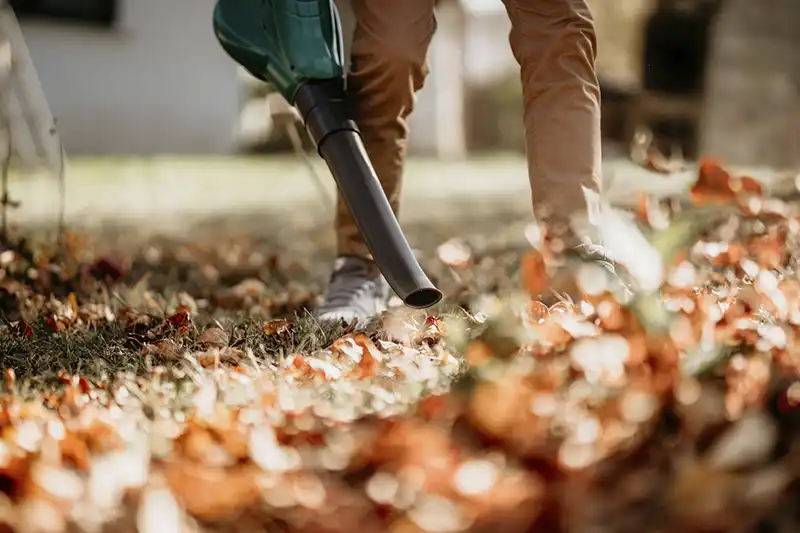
(355, 292)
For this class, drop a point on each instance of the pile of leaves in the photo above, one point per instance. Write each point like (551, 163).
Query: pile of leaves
(663, 396)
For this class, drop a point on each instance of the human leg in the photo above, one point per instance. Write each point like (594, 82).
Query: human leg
(388, 66)
(555, 45)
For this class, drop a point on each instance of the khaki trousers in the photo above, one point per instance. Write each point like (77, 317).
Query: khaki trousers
(554, 43)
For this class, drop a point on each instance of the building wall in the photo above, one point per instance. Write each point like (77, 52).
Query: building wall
(488, 52)
(437, 123)
(159, 83)
(752, 109)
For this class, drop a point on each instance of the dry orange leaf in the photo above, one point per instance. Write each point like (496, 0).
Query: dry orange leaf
(370, 357)
(768, 250)
(478, 353)
(716, 185)
(641, 208)
(534, 273)
(749, 185)
(302, 367)
(73, 302)
(214, 493)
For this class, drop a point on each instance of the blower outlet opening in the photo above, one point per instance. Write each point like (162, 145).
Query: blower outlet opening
(422, 298)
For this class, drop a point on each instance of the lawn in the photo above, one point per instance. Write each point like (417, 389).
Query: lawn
(136, 189)
(179, 383)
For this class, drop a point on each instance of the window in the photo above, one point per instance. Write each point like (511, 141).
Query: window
(95, 12)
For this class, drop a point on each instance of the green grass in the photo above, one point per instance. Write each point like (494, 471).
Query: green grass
(291, 263)
(102, 351)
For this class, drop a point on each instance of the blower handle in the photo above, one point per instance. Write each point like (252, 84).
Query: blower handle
(322, 104)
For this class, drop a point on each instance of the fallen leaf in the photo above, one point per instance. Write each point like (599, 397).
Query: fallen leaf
(714, 184)
(534, 273)
(279, 326)
(213, 338)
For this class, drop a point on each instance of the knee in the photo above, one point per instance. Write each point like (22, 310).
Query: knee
(382, 84)
(389, 63)
(396, 58)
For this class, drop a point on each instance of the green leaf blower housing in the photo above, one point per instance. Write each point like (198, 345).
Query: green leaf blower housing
(296, 46)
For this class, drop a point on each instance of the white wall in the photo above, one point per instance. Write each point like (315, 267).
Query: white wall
(457, 60)
(487, 47)
(427, 132)
(424, 124)
(158, 84)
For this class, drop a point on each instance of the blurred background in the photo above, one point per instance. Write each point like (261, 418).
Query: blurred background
(147, 78)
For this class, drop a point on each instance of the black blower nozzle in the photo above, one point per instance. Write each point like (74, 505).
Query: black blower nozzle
(324, 110)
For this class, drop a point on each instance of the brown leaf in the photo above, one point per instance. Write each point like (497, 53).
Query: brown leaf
(75, 452)
(213, 338)
(768, 250)
(101, 438)
(279, 326)
(478, 353)
(714, 184)
(411, 443)
(534, 273)
(717, 186)
(165, 348)
(73, 302)
(371, 357)
(213, 493)
(234, 440)
(495, 407)
(195, 442)
(641, 208)
(748, 185)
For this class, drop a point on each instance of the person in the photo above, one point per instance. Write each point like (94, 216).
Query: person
(554, 43)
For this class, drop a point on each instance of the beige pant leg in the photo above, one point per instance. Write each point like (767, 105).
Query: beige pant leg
(555, 45)
(388, 66)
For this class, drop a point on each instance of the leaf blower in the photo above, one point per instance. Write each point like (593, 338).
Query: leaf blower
(296, 47)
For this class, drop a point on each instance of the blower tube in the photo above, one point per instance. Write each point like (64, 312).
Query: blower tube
(323, 107)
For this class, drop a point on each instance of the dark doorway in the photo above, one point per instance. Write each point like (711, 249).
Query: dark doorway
(675, 56)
